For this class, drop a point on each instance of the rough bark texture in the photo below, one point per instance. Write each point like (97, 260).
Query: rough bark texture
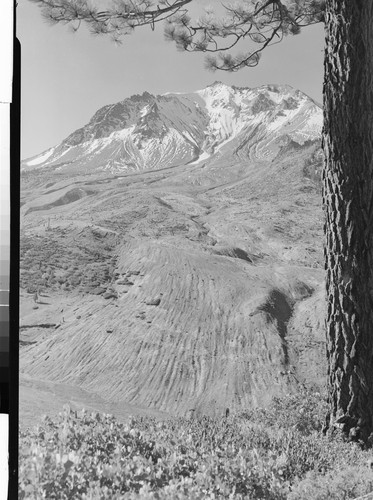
(348, 200)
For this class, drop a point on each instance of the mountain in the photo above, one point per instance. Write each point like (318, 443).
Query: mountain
(176, 242)
(153, 132)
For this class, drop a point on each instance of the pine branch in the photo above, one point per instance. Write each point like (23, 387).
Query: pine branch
(118, 20)
(264, 23)
(260, 22)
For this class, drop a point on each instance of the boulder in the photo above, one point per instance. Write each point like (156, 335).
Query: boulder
(153, 302)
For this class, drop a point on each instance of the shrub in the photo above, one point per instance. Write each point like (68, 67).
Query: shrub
(304, 411)
(348, 482)
(257, 454)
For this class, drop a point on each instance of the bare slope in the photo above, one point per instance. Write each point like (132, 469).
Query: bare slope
(197, 286)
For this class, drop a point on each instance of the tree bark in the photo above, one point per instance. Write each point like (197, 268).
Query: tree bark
(348, 202)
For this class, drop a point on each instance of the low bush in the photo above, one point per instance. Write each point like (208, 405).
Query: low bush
(274, 453)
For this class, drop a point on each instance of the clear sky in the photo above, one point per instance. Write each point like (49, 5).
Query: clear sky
(66, 77)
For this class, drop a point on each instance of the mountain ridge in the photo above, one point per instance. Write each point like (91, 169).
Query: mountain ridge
(152, 131)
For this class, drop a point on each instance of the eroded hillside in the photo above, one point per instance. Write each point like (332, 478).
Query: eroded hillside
(194, 287)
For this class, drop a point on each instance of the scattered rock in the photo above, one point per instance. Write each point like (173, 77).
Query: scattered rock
(191, 413)
(123, 282)
(110, 295)
(94, 284)
(153, 302)
(109, 330)
(35, 307)
(302, 290)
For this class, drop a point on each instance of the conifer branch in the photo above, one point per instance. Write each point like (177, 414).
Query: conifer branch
(262, 22)
(120, 19)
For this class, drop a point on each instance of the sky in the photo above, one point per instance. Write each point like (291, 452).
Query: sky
(67, 77)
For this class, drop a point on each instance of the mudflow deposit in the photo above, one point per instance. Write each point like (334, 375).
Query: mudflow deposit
(175, 247)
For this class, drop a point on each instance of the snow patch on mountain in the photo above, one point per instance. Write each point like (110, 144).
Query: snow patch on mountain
(41, 158)
(202, 157)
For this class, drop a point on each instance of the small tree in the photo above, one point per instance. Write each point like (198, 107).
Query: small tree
(347, 141)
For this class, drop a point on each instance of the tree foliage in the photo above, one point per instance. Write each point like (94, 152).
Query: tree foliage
(263, 23)
(119, 19)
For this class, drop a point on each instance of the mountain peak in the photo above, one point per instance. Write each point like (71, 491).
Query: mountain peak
(217, 83)
(150, 131)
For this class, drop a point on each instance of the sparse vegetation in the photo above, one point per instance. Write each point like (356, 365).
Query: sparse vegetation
(274, 453)
(52, 262)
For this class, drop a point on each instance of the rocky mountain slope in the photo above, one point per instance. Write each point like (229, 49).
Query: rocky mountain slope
(176, 242)
(149, 132)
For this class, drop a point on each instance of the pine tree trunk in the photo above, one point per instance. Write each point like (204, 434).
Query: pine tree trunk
(348, 201)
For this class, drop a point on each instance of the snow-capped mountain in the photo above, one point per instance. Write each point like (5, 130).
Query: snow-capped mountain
(153, 132)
